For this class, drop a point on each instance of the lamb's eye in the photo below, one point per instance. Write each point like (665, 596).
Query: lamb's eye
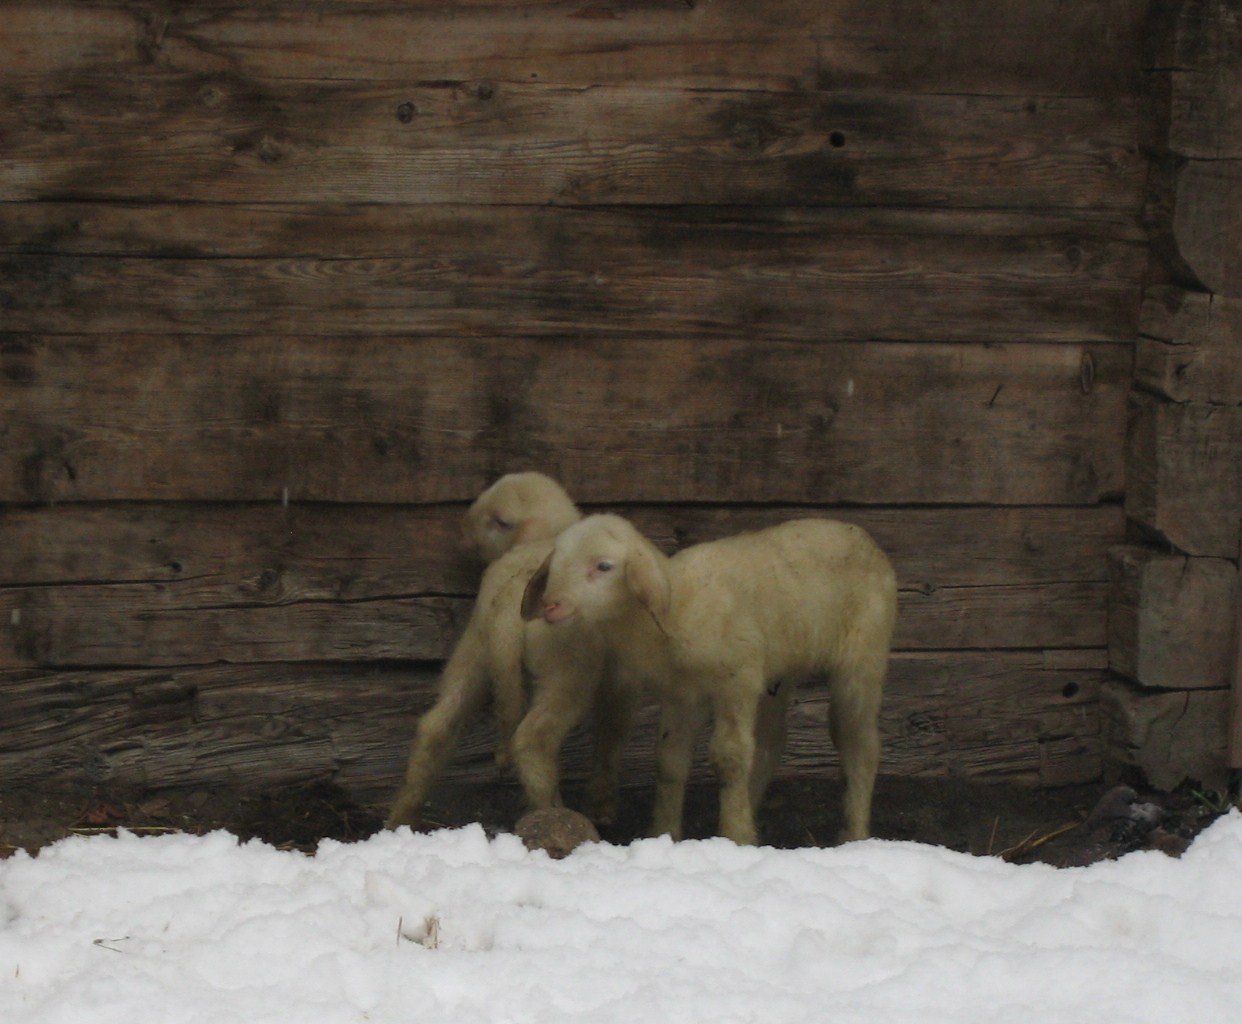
(604, 566)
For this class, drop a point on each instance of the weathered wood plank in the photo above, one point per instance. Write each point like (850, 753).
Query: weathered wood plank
(1207, 222)
(265, 725)
(1193, 212)
(424, 420)
(721, 273)
(226, 139)
(1191, 349)
(1198, 71)
(1171, 619)
(266, 553)
(156, 625)
(396, 230)
(1171, 737)
(1197, 136)
(176, 585)
(162, 624)
(975, 46)
(1185, 474)
(274, 554)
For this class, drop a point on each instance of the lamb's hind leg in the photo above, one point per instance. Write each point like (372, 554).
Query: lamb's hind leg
(463, 691)
(771, 732)
(615, 703)
(508, 692)
(854, 721)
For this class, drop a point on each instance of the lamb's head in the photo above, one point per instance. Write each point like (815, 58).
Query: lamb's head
(516, 509)
(597, 570)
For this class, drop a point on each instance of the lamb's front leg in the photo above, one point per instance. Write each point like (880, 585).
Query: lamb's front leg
(733, 757)
(681, 718)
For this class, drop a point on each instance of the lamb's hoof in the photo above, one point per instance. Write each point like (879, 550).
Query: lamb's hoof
(556, 830)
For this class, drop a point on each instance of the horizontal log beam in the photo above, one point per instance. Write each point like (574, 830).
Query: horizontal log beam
(973, 46)
(226, 139)
(148, 625)
(1025, 717)
(758, 275)
(173, 585)
(266, 553)
(422, 420)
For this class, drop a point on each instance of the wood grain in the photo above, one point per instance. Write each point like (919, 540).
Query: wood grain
(149, 625)
(972, 46)
(268, 553)
(1191, 348)
(1203, 70)
(774, 274)
(1196, 136)
(997, 716)
(1172, 619)
(717, 237)
(175, 585)
(281, 292)
(1185, 474)
(424, 420)
(1207, 222)
(1170, 738)
(222, 139)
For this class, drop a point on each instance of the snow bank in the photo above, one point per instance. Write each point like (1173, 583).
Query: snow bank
(452, 927)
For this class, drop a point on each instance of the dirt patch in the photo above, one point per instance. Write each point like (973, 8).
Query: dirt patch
(1076, 825)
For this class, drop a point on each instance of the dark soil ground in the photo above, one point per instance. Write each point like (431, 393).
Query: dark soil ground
(1076, 825)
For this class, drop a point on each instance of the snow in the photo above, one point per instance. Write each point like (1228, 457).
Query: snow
(455, 927)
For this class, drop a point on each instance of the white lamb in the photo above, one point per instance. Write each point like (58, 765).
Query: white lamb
(720, 625)
(511, 524)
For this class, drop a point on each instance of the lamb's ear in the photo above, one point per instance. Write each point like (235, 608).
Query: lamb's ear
(648, 581)
(532, 596)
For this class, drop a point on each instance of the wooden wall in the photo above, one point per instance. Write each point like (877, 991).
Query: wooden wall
(1176, 633)
(283, 286)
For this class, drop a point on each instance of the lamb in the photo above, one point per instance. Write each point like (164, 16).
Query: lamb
(511, 524)
(720, 625)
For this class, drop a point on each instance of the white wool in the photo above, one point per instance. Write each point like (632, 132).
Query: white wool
(723, 626)
(513, 522)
